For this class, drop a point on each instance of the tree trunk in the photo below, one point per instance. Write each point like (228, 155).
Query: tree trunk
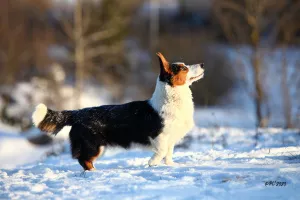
(261, 122)
(154, 30)
(286, 93)
(79, 54)
(256, 65)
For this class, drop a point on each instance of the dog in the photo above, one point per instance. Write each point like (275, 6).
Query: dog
(159, 122)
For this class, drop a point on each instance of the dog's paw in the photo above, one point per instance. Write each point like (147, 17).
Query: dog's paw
(170, 163)
(153, 162)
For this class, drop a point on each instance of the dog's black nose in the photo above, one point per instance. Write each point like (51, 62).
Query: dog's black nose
(202, 65)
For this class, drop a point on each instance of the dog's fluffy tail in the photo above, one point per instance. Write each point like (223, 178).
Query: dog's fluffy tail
(51, 121)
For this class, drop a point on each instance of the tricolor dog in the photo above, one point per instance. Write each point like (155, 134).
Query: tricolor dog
(159, 122)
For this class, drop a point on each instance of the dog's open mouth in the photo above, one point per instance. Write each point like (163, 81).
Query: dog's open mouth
(197, 77)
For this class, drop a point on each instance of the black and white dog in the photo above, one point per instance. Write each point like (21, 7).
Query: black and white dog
(159, 122)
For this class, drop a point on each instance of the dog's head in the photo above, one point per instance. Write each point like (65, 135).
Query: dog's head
(178, 73)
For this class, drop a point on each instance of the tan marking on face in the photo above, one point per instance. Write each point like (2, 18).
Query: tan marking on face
(180, 78)
(176, 79)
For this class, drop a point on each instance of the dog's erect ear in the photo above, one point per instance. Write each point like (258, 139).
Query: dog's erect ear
(164, 64)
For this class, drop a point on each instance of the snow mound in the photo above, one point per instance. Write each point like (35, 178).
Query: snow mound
(207, 175)
(243, 167)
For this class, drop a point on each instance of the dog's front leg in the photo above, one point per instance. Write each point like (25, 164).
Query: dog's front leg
(160, 145)
(157, 158)
(168, 159)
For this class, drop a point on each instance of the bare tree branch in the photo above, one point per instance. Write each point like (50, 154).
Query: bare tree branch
(226, 4)
(99, 36)
(294, 8)
(68, 28)
(101, 50)
(225, 24)
(87, 19)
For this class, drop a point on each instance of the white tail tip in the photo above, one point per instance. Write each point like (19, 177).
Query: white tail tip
(39, 114)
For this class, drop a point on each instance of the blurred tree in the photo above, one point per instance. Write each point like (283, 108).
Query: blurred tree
(24, 38)
(250, 22)
(14, 50)
(287, 31)
(96, 32)
(154, 29)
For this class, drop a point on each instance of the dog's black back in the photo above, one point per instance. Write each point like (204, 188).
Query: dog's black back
(118, 125)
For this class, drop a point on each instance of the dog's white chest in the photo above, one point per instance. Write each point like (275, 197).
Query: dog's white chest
(175, 106)
(178, 123)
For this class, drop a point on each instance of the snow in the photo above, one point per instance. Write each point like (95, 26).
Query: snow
(211, 174)
(16, 150)
(212, 163)
(225, 116)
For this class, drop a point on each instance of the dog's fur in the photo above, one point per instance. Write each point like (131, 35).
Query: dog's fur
(159, 122)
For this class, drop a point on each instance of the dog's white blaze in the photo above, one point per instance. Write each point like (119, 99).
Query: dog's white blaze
(195, 73)
(39, 114)
(176, 107)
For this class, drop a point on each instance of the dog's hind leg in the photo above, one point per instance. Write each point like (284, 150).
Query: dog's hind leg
(87, 161)
(84, 146)
(101, 150)
(86, 164)
(75, 142)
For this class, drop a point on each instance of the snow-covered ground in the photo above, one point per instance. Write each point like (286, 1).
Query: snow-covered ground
(16, 150)
(213, 163)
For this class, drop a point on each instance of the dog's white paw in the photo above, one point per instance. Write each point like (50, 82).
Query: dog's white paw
(153, 162)
(170, 163)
